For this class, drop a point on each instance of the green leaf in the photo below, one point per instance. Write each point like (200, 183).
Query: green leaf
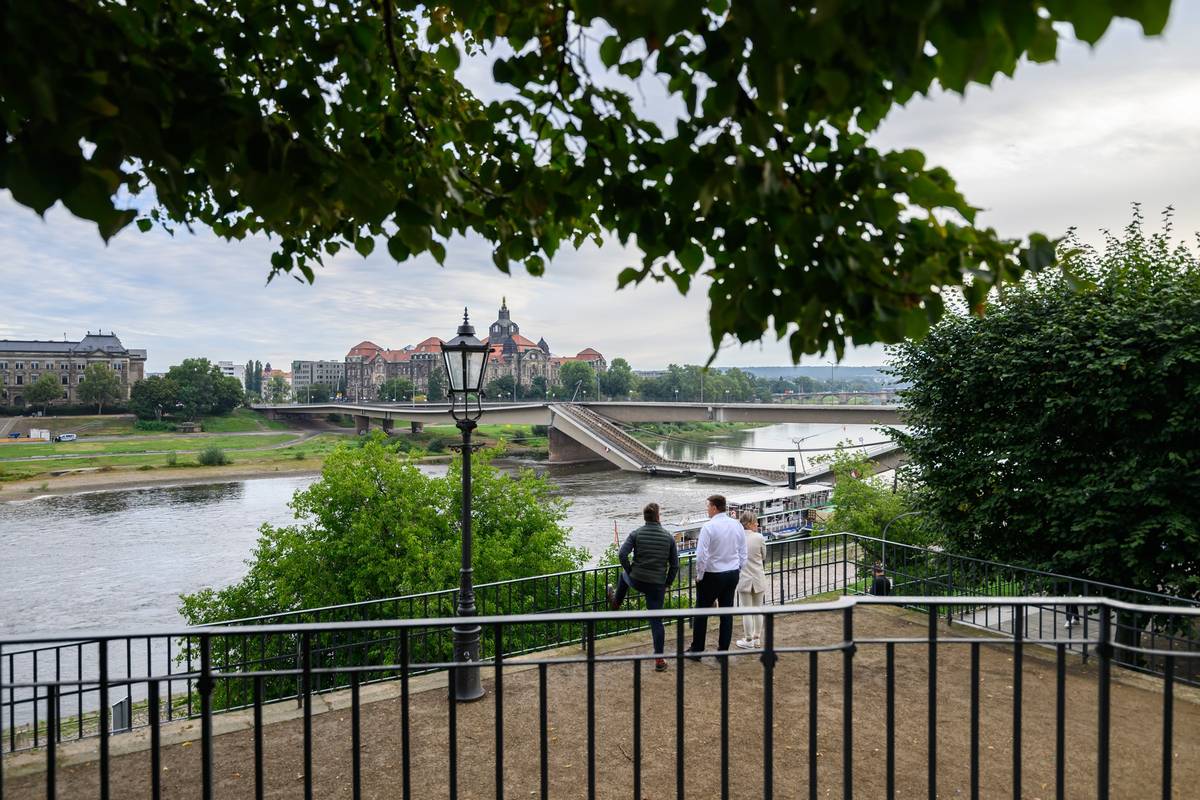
(691, 257)
(629, 275)
(631, 69)
(610, 51)
(365, 245)
(144, 224)
(448, 57)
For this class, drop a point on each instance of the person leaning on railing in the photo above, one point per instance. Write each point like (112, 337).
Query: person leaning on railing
(752, 585)
(649, 563)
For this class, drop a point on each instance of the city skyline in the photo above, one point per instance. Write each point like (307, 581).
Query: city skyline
(1019, 150)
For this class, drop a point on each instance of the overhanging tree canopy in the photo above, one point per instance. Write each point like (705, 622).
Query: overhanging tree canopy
(330, 125)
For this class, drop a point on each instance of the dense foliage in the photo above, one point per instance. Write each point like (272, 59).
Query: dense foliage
(866, 504)
(99, 385)
(375, 526)
(46, 388)
(1060, 430)
(396, 389)
(190, 390)
(334, 125)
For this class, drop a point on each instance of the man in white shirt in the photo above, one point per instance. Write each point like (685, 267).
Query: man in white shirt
(720, 556)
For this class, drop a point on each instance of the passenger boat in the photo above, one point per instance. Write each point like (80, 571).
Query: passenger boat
(782, 513)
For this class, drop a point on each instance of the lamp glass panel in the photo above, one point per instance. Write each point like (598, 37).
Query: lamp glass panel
(454, 369)
(474, 370)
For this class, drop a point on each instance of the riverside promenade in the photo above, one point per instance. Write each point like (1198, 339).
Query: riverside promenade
(1136, 728)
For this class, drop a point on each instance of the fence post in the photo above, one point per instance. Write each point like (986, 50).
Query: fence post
(845, 567)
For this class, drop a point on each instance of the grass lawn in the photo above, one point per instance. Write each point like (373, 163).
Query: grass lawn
(166, 442)
(241, 420)
(518, 434)
(312, 450)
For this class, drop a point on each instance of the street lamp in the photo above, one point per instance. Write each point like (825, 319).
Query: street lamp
(466, 362)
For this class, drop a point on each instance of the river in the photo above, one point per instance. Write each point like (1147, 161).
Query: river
(120, 559)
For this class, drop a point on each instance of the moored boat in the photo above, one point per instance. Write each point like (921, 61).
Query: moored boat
(782, 513)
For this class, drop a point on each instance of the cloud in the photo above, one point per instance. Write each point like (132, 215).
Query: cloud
(1071, 143)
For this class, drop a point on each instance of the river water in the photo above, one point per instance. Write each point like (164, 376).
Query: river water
(120, 560)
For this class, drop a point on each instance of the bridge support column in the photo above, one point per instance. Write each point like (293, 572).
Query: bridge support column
(362, 424)
(386, 424)
(416, 427)
(565, 450)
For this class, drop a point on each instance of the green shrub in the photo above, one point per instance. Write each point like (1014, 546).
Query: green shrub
(540, 430)
(299, 456)
(212, 457)
(145, 467)
(153, 425)
(172, 459)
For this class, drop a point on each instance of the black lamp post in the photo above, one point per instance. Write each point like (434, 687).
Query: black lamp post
(466, 362)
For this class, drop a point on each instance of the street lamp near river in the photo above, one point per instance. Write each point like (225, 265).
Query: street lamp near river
(466, 363)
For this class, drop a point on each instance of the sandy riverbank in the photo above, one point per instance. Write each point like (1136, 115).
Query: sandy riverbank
(101, 481)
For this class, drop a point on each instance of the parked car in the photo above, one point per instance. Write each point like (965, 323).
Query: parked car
(65, 437)
(14, 435)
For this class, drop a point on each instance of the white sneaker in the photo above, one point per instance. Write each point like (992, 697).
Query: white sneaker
(758, 644)
(745, 644)
(1068, 624)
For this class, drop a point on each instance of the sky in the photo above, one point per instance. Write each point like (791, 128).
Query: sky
(1072, 143)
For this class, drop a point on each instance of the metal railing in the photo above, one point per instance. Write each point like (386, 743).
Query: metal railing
(797, 569)
(447, 771)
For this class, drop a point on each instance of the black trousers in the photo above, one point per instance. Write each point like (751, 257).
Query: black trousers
(718, 587)
(654, 594)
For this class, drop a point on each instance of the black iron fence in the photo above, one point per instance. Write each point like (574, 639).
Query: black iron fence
(154, 674)
(798, 658)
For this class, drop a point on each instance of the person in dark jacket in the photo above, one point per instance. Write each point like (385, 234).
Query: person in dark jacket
(880, 586)
(649, 563)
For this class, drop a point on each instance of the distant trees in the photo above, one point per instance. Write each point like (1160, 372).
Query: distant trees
(46, 388)
(618, 380)
(151, 397)
(318, 393)
(100, 385)
(277, 390)
(1059, 429)
(396, 389)
(437, 386)
(192, 389)
(581, 374)
(502, 388)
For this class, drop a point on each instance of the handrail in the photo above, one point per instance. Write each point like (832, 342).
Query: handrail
(837, 604)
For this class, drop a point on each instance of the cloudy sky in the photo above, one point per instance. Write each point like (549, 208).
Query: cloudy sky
(1067, 144)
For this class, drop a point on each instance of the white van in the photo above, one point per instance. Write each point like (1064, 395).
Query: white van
(65, 437)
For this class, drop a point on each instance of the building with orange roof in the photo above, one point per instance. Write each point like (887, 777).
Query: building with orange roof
(368, 365)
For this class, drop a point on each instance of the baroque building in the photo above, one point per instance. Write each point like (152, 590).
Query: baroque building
(23, 361)
(368, 365)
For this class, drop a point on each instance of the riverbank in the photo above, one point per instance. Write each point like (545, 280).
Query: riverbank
(102, 480)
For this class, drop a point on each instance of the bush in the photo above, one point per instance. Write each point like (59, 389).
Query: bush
(153, 425)
(212, 457)
(540, 430)
(172, 459)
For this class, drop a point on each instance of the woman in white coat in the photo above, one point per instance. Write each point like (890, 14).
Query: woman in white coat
(752, 586)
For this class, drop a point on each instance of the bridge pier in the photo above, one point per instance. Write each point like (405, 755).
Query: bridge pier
(362, 423)
(387, 425)
(416, 427)
(565, 450)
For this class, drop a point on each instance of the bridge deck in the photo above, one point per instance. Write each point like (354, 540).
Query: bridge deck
(1136, 729)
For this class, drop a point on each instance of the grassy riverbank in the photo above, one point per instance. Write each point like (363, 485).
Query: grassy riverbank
(653, 433)
(171, 458)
